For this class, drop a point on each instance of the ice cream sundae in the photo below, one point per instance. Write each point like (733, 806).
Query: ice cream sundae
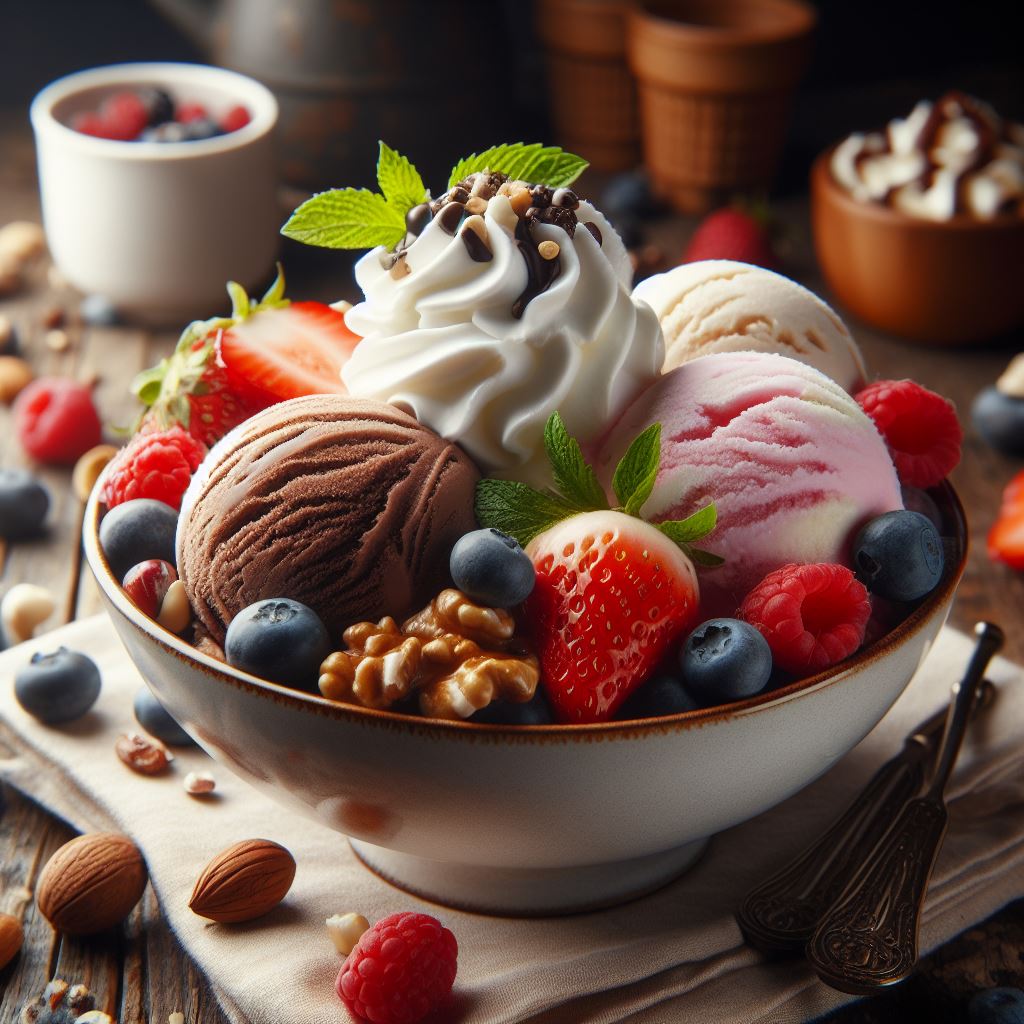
(490, 493)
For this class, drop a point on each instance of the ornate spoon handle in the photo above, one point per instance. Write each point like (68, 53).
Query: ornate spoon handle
(781, 913)
(868, 939)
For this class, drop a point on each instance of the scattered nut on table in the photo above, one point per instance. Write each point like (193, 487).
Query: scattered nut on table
(245, 881)
(176, 1018)
(15, 375)
(141, 754)
(1011, 380)
(24, 608)
(22, 241)
(62, 1002)
(88, 468)
(57, 340)
(11, 938)
(199, 783)
(91, 883)
(345, 930)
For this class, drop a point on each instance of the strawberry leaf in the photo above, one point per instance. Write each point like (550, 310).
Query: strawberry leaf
(543, 165)
(346, 218)
(685, 531)
(400, 182)
(146, 385)
(517, 509)
(635, 474)
(575, 479)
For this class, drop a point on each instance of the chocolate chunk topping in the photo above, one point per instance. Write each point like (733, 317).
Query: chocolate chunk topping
(458, 195)
(595, 231)
(418, 218)
(476, 246)
(450, 217)
(565, 197)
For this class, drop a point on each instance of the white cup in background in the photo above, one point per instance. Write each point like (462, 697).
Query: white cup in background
(159, 228)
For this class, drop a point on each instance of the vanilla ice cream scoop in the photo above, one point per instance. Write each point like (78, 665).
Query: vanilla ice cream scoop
(511, 302)
(725, 306)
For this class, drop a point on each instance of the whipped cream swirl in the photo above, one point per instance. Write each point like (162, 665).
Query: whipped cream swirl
(956, 156)
(440, 336)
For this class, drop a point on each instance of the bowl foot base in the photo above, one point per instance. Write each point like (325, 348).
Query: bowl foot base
(528, 892)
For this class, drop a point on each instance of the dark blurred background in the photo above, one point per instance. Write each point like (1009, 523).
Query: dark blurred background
(872, 60)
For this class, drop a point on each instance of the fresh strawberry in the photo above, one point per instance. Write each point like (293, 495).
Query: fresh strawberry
(287, 352)
(193, 386)
(732, 234)
(1006, 538)
(613, 593)
(237, 117)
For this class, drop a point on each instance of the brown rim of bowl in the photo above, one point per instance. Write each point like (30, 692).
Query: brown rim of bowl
(798, 19)
(439, 728)
(821, 177)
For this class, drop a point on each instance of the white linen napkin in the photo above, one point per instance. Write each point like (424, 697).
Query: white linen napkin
(676, 955)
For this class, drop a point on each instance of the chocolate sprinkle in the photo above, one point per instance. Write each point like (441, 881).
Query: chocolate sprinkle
(540, 273)
(595, 231)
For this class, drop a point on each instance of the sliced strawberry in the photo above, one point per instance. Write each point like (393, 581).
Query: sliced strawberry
(1006, 538)
(287, 352)
(613, 594)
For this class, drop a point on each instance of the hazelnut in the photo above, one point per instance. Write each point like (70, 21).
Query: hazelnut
(175, 612)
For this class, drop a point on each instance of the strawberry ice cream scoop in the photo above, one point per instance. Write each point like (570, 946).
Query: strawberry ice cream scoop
(789, 459)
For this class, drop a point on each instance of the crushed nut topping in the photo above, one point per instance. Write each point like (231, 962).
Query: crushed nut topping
(61, 1003)
(458, 657)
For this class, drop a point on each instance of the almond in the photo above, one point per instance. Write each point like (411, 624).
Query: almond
(11, 938)
(244, 881)
(91, 883)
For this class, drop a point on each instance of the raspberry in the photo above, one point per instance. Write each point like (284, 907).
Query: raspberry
(155, 464)
(124, 116)
(401, 969)
(56, 421)
(919, 426)
(186, 112)
(90, 123)
(811, 615)
(237, 117)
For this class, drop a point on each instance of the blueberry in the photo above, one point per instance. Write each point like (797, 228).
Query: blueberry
(661, 695)
(899, 555)
(725, 660)
(135, 531)
(58, 687)
(24, 502)
(535, 711)
(157, 720)
(159, 104)
(492, 569)
(999, 418)
(996, 1006)
(98, 311)
(627, 197)
(202, 128)
(280, 640)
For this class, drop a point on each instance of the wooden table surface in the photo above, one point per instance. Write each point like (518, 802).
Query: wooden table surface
(140, 974)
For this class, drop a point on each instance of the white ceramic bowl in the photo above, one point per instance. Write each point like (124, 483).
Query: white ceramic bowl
(159, 228)
(528, 820)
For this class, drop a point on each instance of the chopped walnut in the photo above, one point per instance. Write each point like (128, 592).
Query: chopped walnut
(458, 655)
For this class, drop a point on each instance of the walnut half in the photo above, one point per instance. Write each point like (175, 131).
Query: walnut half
(458, 655)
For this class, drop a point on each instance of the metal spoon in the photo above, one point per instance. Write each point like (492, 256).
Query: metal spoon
(781, 914)
(869, 937)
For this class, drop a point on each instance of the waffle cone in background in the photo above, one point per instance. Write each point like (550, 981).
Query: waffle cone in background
(715, 80)
(590, 87)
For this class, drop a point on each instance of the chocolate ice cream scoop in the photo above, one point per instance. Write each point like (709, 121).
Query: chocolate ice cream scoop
(347, 505)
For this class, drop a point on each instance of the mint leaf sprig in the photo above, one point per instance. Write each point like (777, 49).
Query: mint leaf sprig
(356, 218)
(523, 512)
